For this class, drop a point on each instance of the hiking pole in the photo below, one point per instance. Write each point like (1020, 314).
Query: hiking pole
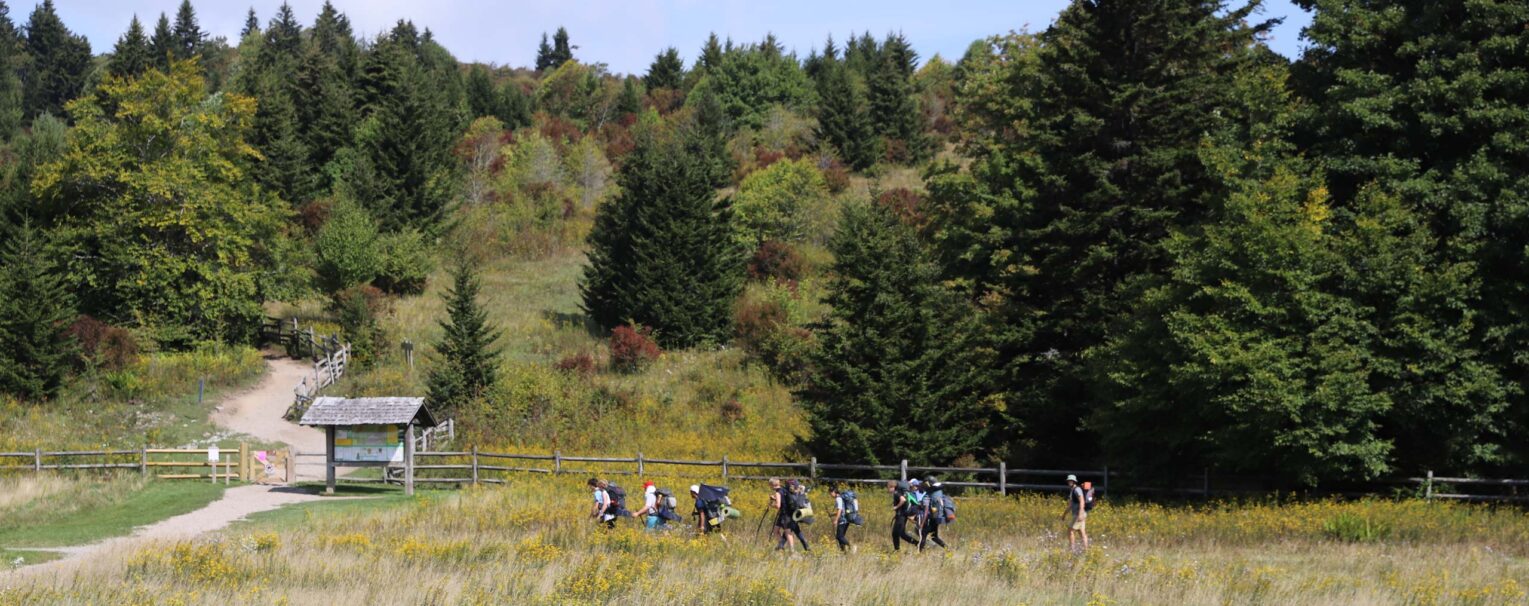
(760, 526)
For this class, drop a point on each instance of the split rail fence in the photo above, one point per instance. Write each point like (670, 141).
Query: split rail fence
(330, 359)
(164, 463)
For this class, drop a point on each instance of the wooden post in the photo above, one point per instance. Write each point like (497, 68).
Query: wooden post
(1003, 478)
(475, 466)
(37, 461)
(557, 461)
(904, 470)
(408, 462)
(228, 471)
(1428, 487)
(639, 465)
(244, 462)
(812, 468)
(724, 469)
(143, 462)
(328, 459)
(1106, 480)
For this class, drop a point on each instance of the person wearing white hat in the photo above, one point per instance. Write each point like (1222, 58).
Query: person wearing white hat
(1077, 512)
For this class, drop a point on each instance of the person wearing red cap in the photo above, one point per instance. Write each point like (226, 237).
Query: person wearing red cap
(649, 507)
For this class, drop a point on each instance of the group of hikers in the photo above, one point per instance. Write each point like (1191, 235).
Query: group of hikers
(923, 503)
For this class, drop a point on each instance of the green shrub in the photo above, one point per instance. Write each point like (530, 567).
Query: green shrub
(779, 202)
(405, 264)
(349, 248)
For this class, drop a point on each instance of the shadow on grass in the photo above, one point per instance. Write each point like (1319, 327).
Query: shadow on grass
(576, 321)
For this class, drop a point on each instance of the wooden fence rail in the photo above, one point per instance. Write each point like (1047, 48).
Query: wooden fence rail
(164, 463)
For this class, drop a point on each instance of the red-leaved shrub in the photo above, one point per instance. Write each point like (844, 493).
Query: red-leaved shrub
(107, 347)
(632, 348)
(776, 259)
(756, 322)
(907, 204)
(732, 411)
(835, 175)
(581, 364)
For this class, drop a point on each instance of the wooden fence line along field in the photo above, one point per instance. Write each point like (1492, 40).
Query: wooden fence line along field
(474, 467)
(163, 463)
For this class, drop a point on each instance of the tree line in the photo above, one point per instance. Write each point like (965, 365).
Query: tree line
(1139, 237)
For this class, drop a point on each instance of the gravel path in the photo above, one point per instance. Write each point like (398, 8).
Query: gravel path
(256, 412)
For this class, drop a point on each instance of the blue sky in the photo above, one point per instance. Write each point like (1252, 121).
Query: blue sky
(625, 34)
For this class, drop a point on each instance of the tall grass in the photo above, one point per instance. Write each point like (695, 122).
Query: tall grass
(152, 401)
(530, 543)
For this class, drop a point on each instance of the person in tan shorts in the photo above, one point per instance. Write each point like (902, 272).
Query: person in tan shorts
(1077, 512)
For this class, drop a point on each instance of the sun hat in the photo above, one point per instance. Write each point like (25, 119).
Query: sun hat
(695, 488)
(913, 482)
(1072, 478)
(647, 484)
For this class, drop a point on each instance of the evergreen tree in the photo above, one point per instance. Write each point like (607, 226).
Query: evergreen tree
(662, 254)
(11, 58)
(894, 111)
(514, 106)
(667, 71)
(630, 100)
(57, 63)
(544, 55)
(325, 103)
(896, 374)
(401, 164)
(131, 56)
(162, 45)
(466, 360)
(561, 51)
(711, 53)
(188, 35)
(251, 25)
(36, 308)
(482, 98)
(843, 119)
(1075, 209)
(1414, 99)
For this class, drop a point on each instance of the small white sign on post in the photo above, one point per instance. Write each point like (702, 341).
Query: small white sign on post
(212, 454)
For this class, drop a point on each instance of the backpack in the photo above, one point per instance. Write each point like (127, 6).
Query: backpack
(946, 508)
(1088, 496)
(801, 508)
(666, 505)
(617, 495)
(915, 504)
(852, 508)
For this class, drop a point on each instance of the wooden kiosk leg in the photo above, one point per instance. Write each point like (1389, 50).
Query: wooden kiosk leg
(408, 461)
(329, 459)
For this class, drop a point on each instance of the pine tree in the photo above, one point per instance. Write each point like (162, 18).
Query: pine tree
(662, 254)
(1077, 207)
(667, 71)
(57, 63)
(630, 100)
(894, 112)
(1413, 99)
(251, 25)
(544, 55)
(466, 360)
(36, 308)
(896, 373)
(131, 56)
(11, 98)
(482, 98)
(711, 53)
(843, 119)
(561, 51)
(162, 44)
(514, 106)
(325, 100)
(188, 35)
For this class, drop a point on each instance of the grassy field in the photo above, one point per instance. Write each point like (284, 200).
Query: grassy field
(531, 543)
(54, 512)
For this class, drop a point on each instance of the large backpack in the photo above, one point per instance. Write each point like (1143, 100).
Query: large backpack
(617, 495)
(852, 508)
(916, 503)
(1088, 496)
(801, 508)
(947, 508)
(666, 505)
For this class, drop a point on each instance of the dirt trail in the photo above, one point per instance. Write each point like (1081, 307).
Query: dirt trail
(256, 412)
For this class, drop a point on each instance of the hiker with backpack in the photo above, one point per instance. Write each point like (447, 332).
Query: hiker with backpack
(1079, 501)
(846, 512)
(790, 502)
(650, 507)
(934, 514)
(899, 492)
(712, 507)
(605, 509)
